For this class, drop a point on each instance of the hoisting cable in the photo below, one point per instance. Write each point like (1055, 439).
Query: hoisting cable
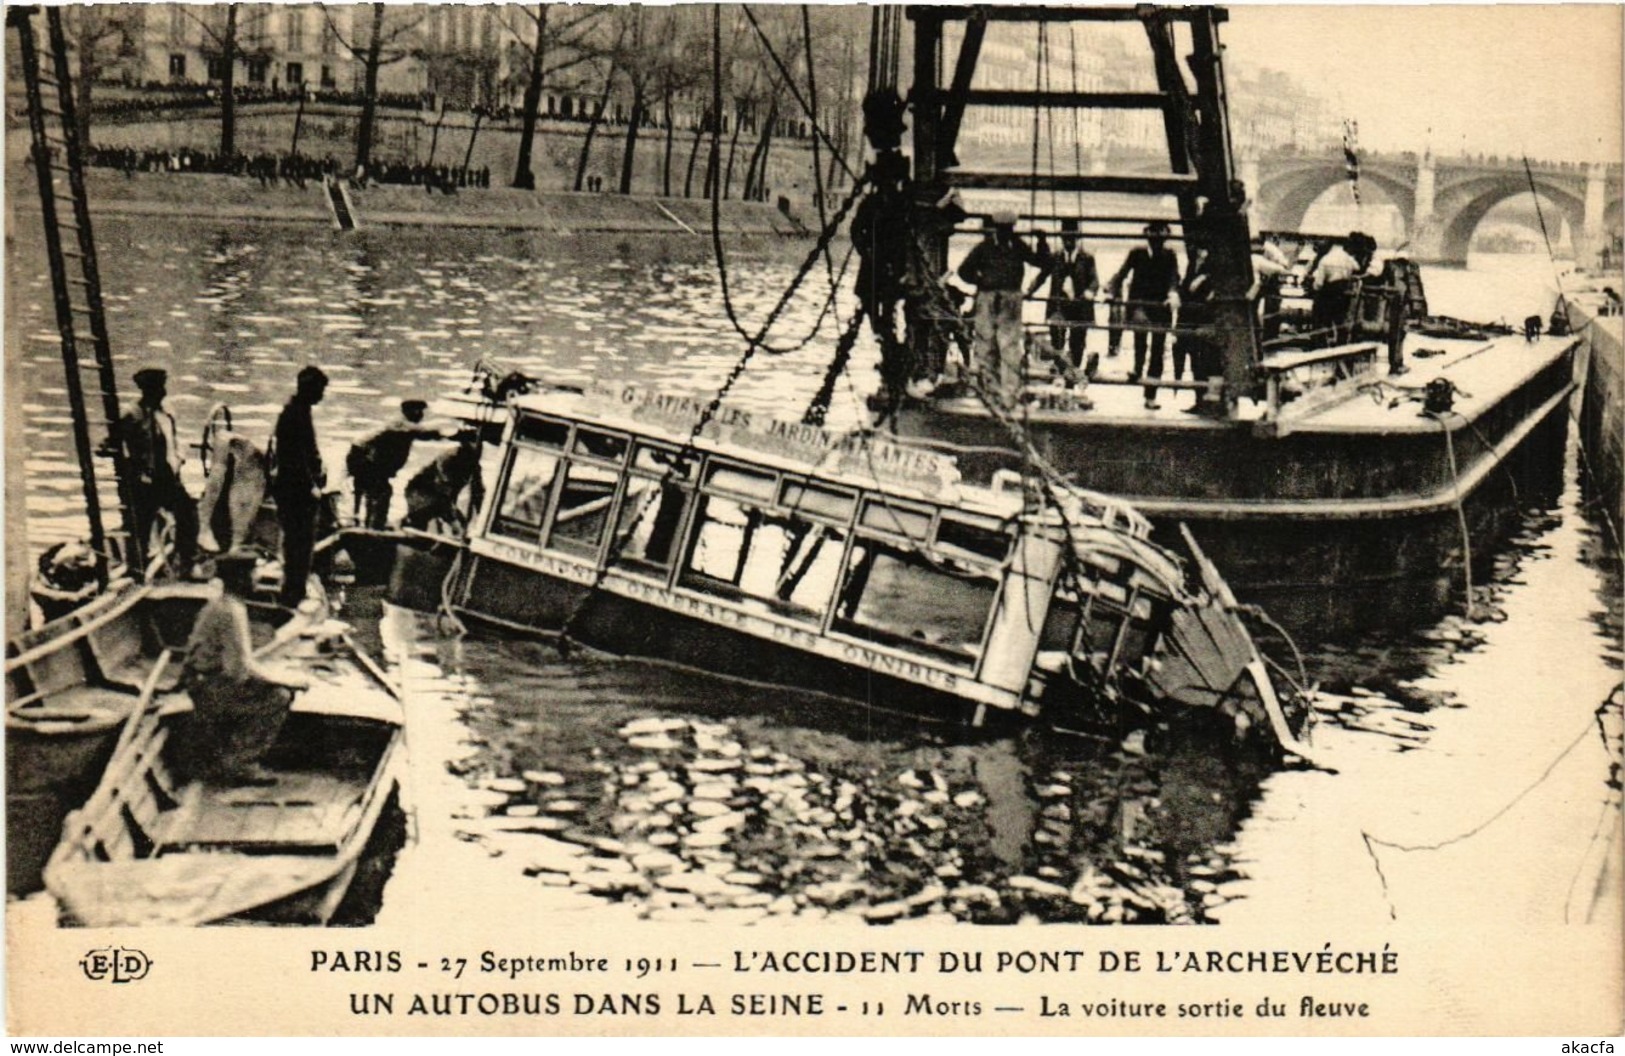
(685, 454)
(817, 162)
(1540, 215)
(789, 82)
(1044, 62)
(1038, 88)
(1077, 132)
(1461, 513)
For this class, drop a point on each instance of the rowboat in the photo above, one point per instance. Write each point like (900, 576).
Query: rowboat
(70, 684)
(154, 846)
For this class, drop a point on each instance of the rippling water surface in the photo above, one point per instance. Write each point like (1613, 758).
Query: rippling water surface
(1478, 763)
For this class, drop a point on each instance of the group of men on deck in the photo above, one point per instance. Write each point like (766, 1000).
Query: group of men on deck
(297, 478)
(1150, 277)
(1142, 295)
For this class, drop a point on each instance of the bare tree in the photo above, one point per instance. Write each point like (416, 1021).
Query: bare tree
(607, 58)
(101, 37)
(547, 46)
(391, 35)
(592, 125)
(679, 67)
(220, 45)
(639, 65)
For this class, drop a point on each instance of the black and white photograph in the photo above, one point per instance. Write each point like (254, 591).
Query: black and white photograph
(814, 519)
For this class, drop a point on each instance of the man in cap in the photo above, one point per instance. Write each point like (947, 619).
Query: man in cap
(1073, 283)
(1333, 282)
(374, 460)
(996, 266)
(298, 481)
(154, 457)
(1152, 275)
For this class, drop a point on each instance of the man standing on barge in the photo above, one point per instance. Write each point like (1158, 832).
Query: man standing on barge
(996, 266)
(148, 436)
(1152, 274)
(1073, 283)
(297, 482)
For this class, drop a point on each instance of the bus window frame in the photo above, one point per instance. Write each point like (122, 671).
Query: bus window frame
(569, 458)
(669, 573)
(789, 480)
(924, 551)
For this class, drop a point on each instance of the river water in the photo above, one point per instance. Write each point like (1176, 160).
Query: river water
(616, 788)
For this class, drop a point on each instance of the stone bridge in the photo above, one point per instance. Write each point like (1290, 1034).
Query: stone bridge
(1441, 199)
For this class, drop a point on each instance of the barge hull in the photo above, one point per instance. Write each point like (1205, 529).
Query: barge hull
(1332, 530)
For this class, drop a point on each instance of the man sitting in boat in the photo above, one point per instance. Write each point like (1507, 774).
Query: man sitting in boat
(374, 460)
(996, 266)
(238, 705)
(148, 436)
(432, 494)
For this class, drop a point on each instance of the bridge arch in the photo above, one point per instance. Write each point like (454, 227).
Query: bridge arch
(1459, 210)
(1286, 197)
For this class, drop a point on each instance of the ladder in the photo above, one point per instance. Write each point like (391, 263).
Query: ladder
(87, 357)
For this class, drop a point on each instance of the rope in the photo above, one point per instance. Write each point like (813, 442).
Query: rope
(1049, 112)
(1038, 87)
(1077, 133)
(1592, 720)
(1540, 214)
(1461, 513)
(818, 165)
(447, 613)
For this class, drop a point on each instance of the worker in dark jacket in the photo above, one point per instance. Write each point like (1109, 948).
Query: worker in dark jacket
(376, 458)
(1152, 275)
(154, 457)
(996, 266)
(880, 237)
(1073, 283)
(297, 482)
(432, 493)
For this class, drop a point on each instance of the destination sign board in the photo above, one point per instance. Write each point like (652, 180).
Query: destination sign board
(825, 451)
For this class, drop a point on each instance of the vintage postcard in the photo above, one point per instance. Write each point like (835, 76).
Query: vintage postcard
(557, 519)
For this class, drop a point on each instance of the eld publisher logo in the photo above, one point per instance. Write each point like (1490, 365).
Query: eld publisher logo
(116, 965)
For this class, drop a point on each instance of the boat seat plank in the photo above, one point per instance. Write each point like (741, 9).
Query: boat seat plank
(57, 669)
(116, 648)
(77, 704)
(303, 810)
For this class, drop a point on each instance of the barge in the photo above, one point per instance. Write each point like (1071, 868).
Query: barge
(1343, 477)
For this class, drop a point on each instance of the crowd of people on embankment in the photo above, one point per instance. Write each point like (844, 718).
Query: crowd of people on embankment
(160, 97)
(272, 169)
